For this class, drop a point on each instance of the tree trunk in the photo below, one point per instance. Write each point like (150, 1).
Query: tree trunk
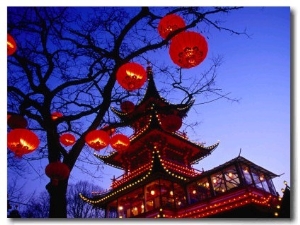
(58, 201)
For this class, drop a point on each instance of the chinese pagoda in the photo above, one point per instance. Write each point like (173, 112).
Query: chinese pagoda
(159, 180)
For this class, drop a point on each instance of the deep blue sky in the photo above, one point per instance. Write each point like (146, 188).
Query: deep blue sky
(257, 71)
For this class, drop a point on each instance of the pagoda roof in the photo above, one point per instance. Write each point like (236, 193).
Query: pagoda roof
(158, 167)
(152, 97)
(176, 142)
(240, 159)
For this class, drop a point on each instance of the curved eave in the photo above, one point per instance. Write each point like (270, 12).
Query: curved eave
(208, 150)
(103, 199)
(179, 169)
(119, 113)
(109, 160)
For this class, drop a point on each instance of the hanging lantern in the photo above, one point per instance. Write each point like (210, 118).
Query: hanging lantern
(171, 123)
(22, 141)
(127, 106)
(57, 171)
(56, 115)
(11, 45)
(16, 121)
(169, 24)
(131, 76)
(67, 139)
(188, 49)
(97, 139)
(120, 142)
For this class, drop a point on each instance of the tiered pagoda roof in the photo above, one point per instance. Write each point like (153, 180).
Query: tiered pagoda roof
(152, 148)
(149, 132)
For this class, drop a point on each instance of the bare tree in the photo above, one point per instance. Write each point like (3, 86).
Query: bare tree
(76, 207)
(37, 207)
(67, 59)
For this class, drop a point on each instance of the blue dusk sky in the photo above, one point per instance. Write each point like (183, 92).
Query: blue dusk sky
(259, 71)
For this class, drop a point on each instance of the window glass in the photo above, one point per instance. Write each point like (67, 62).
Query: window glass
(199, 191)
(179, 196)
(247, 174)
(231, 177)
(218, 183)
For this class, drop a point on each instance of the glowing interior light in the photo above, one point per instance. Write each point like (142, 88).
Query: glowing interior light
(25, 145)
(10, 44)
(131, 74)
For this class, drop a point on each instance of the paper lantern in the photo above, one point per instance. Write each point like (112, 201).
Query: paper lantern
(171, 123)
(131, 76)
(97, 139)
(56, 115)
(57, 171)
(67, 139)
(11, 45)
(16, 121)
(120, 142)
(188, 49)
(22, 141)
(169, 24)
(127, 106)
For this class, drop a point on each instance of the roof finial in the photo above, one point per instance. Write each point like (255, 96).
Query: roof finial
(149, 69)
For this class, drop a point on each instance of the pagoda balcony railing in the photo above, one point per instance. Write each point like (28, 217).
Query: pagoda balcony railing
(178, 133)
(130, 175)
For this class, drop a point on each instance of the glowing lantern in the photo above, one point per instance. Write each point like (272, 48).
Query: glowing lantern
(57, 171)
(171, 123)
(56, 115)
(131, 76)
(67, 139)
(11, 45)
(169, 24)
(127, 107)
(22, 141)
(120, 142)
(16, 121)
(188, 49)
(97, 139)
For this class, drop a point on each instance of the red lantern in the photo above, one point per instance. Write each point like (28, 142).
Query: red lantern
(188, 49)
(22, 141)
(169, 24)
(171, 123)
(97, 139)
(56, 115)
(57, 171)
(127, 107)
(120, 142)
(11, 45)
(131, 76)
(67, 139)
(16, 121)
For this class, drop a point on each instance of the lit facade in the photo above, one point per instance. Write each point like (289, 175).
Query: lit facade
(159, 180)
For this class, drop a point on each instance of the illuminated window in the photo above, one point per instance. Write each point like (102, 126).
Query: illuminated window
(152, 195)
(231, 177)
(218, 183)
(179, 196)
(199, 191)
(247, 174)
